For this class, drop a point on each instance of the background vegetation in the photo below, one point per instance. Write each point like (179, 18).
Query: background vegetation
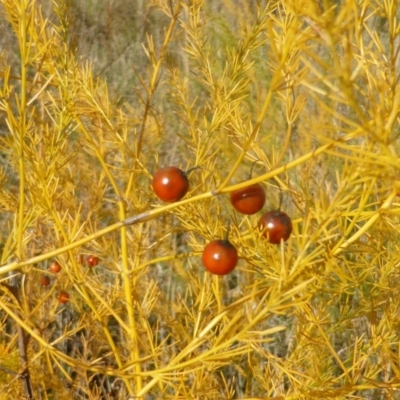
(97, 95)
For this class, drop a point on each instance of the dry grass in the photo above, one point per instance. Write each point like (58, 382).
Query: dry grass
(95, 96)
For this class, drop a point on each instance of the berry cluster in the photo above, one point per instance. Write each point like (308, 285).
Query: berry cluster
(55, 268)
(220, 257)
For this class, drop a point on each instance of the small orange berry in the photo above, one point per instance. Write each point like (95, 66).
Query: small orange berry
(55, 267)
(63, 297)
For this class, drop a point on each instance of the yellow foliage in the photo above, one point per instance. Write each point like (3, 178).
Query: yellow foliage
(96, 96)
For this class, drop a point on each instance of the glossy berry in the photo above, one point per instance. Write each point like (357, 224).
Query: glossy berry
(92, 261)
(45, 280)
(55, 267)
(248, 200)
(170, 184)
(275, 226)
(220, 257)
(63, 297)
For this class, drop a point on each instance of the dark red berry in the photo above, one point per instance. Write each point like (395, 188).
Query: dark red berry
(170, 184)
(92, 261)
(248, 200)
(45, 280)
(275, 226)
(220, 257)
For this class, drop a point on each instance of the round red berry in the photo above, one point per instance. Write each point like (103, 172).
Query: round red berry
(220, 257)
(170, 184)
(45, 280)
(63, 297)
(248, 200)
(275, 226)
(55, 267)
(92, 261)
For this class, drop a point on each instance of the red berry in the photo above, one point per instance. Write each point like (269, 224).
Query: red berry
(248, 200)
(63, 297)
(92, 261)
(220, 257)
(45, 280)
(170, 184)
(275, 226)
(55, 267)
